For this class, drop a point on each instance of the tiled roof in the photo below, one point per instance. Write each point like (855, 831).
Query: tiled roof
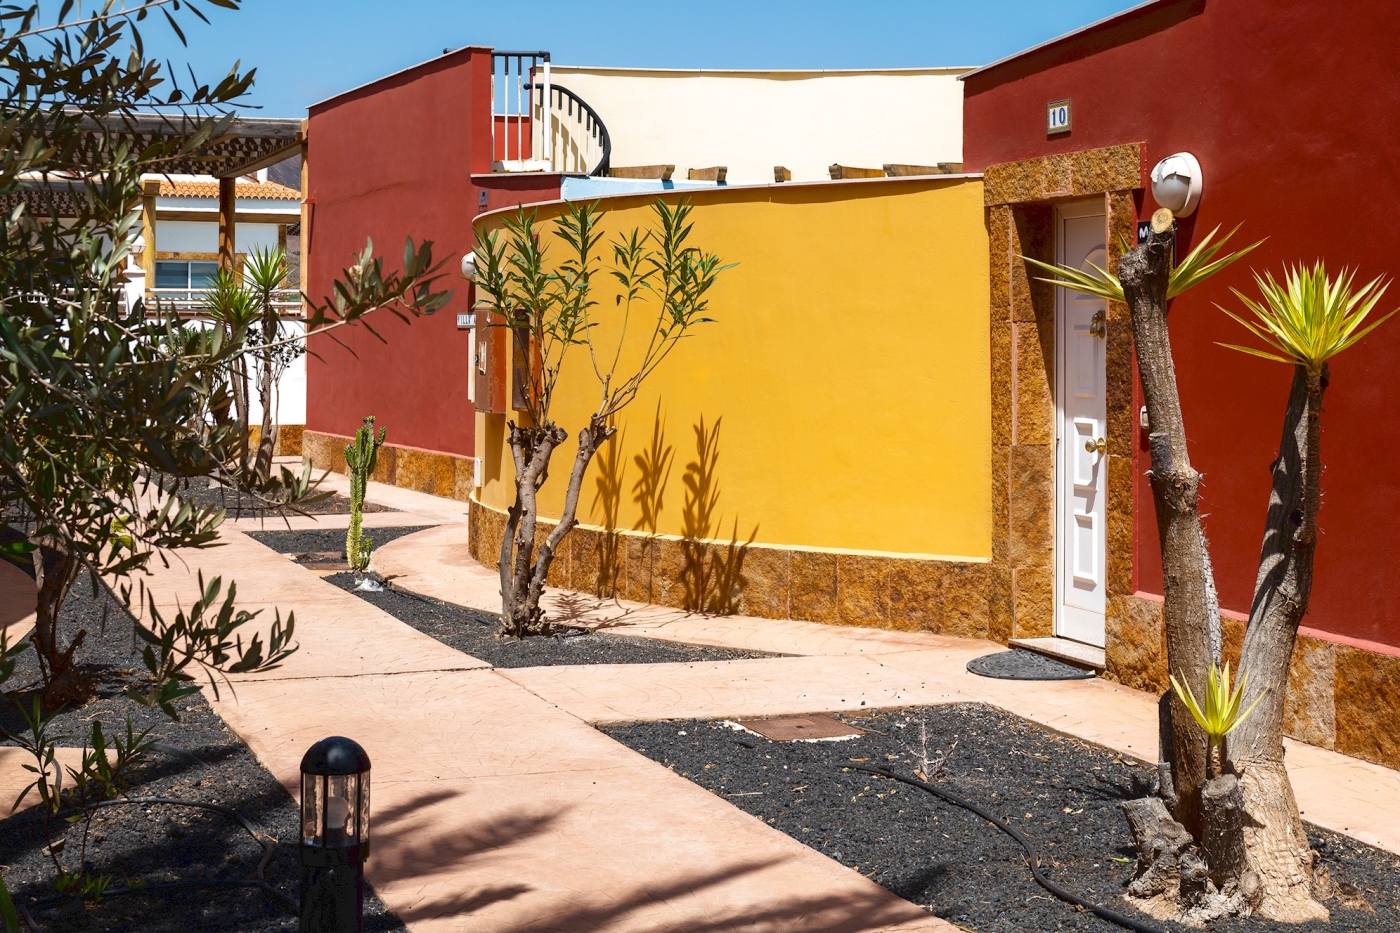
(244, 189)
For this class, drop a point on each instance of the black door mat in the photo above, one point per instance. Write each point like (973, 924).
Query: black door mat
(1019, 664)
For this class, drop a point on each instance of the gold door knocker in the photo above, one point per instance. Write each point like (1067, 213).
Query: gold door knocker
(1098, 324)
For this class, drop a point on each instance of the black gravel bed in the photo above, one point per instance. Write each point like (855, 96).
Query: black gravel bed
(1062, 793)
(200, 760)
(326, 540)
(203, 491)
(474, 632)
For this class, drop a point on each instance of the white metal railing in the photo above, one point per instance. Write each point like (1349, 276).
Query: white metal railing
(577, 139)
(194, 302)
(517, 79)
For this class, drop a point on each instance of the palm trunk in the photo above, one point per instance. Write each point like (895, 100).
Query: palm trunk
(1190, 610)
(267, 439)
(1276, 846)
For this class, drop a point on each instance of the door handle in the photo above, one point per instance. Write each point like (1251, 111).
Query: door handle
(1098, 324)
(1098, 446)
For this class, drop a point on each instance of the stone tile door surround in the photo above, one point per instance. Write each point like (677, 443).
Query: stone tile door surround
(1341, 696)
(1021, 198)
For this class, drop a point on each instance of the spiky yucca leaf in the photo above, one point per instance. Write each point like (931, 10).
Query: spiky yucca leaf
(1221, 713)
(1100, 283)
(1309, 318)
(1197, 266)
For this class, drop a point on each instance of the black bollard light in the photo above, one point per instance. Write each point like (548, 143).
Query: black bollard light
(334, 835)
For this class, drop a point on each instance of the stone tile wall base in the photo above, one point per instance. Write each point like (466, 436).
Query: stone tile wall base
(942, 597)
(1339, 697)
(288, 443)
(429, 471)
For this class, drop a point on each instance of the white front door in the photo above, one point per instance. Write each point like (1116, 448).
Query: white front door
(1081, 481)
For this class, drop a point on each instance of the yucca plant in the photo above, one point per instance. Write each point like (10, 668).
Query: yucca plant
(1221, 713)
(1309, 318)
(1198, 265)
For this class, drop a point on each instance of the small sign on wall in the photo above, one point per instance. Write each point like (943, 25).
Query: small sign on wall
(1057, 117)
(465, 320)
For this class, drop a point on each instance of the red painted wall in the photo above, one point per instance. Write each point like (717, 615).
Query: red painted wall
(1293, 108)
(394, 159)
(513, 138)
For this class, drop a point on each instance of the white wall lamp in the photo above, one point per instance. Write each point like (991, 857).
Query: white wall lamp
(1176, 183)
(469, 265)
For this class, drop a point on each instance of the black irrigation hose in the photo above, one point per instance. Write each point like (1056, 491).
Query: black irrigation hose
(1031, 855)
(267, 844)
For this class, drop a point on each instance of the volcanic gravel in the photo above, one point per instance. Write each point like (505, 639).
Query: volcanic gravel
(203, 491)
(1062, 793)
(474, 632)
(200, 760)
(325, 541)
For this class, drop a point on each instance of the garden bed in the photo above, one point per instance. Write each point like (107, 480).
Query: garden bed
(203, 491)
(318, 542)
(474, 632)
(199, 760)
(1062, 793)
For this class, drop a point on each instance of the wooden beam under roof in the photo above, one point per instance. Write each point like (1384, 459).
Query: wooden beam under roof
(245, 145)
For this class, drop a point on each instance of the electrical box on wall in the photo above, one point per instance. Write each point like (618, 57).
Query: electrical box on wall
(490, 362)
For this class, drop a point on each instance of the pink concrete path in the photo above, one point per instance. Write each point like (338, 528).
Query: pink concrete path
(843, 668)
(497, 810)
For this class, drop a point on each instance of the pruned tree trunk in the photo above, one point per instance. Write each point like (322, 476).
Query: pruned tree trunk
(1160, 841)
(523, 571)
(1191, 610)
(1274, 840)
(54, 578)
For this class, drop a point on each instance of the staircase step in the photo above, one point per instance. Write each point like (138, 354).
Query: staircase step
(1062, 649)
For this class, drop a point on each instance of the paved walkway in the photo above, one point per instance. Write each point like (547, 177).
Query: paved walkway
(843, 668)
(497, 810)
(497, 806)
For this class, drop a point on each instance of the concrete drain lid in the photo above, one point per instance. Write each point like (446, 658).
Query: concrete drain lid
(801, 729)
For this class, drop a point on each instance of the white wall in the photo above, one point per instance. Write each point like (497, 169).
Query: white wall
(193, 236)
(751, 121)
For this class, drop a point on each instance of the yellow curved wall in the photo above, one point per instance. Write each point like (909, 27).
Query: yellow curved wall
(844, 388)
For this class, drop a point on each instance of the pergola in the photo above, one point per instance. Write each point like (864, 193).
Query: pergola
(248, 144)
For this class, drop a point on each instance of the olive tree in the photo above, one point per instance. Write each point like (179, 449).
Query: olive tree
(551, 311)
(98, 398)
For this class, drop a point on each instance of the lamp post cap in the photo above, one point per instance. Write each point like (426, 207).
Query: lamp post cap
(335, 755)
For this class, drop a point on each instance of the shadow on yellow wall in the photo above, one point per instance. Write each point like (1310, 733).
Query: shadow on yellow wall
(849, 367)
(711, 575)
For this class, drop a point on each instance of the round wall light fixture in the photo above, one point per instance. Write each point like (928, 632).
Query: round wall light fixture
(469, 265)
(1176, 183)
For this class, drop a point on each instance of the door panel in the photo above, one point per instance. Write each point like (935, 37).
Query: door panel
(1081, 426)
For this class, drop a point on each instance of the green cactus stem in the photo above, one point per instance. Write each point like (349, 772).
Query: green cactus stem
(360, 458)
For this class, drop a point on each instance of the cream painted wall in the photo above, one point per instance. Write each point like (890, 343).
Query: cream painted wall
(751, 121)
(844, 386)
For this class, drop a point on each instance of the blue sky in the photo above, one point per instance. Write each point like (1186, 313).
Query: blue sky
(307, 50)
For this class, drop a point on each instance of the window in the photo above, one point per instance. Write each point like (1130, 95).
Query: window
(185, 275)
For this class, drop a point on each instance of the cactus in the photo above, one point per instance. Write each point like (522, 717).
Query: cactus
(360, 458)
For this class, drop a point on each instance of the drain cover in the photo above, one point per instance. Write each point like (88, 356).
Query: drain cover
(323, 562)
(1018, 664)
(801, 729)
